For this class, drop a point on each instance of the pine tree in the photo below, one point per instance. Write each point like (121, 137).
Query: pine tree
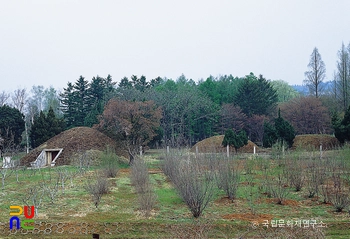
(270, 135)
(81, 98)
(342, 128)
(39, 131)
(281, 131)
(82, 101)
(284, 129)
(11, 125)
(235, 140)
(45, 127)
(256, 96)
(68, 105)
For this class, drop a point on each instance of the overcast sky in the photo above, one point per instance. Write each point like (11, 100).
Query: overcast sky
(51, 42)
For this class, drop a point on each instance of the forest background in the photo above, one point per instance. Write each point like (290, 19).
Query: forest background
(184, 111)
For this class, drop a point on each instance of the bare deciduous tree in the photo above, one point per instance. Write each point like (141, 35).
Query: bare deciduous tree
(307, 115)
(19, 99)
(192, 180)
(295, 173)
(143, 186)
(315, 177)
(109, 163)
(132, 123)
(343, 76)
(228, 177)
(316, 74)
(232, 117)
(34, 196)
(50, 186)
(255, 127)
(279, 189)
(3, 98)
(97, 188)
(82, 161)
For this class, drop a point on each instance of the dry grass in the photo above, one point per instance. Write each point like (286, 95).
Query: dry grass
(248, 217)
(313, 141)
(213, 144)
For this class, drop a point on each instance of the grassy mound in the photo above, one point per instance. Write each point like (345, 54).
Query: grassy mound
(313, 141)
(213, 144)
(73, 141)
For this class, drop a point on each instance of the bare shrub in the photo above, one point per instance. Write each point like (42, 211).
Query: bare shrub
(5, 173)
(50, 186)
(34, 196)
(266, 187)
(63, 176)
(192, 180)
(279, 189)
(338, 195)
(109, 163)
(82, 161)
(227, 177)
(97, 188)
(295, 171)
(249, 165)
(250, 193)
(340, 200)
(143, 186)
(316, 176)
(325, 190)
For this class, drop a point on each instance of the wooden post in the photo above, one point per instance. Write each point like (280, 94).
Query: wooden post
(196, 151)
(320, 150)
(167, 149)
(228, 150)
(254, 150)
(140, 150)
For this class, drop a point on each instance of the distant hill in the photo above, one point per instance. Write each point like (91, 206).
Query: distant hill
(303, 90)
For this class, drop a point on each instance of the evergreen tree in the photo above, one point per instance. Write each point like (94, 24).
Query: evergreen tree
(270, 135)
(56, 125)
(156, 81)
(281, 131)
(39, 131)
(284, 129)
(45, 127)
(11, 126)
(81, 98)
(256, 96)
(235, 140)
(82, 101)
(68, 105)
(342, 128)
(125, 83)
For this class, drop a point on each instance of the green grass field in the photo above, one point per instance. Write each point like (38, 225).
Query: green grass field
(72, 214)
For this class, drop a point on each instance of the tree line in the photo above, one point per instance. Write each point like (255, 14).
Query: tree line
(186, 111)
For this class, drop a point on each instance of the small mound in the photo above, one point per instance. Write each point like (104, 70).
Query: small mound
(213, 145)
(313, 141)
(75, 140)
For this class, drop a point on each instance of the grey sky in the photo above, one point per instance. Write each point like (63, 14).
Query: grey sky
(51, 42)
